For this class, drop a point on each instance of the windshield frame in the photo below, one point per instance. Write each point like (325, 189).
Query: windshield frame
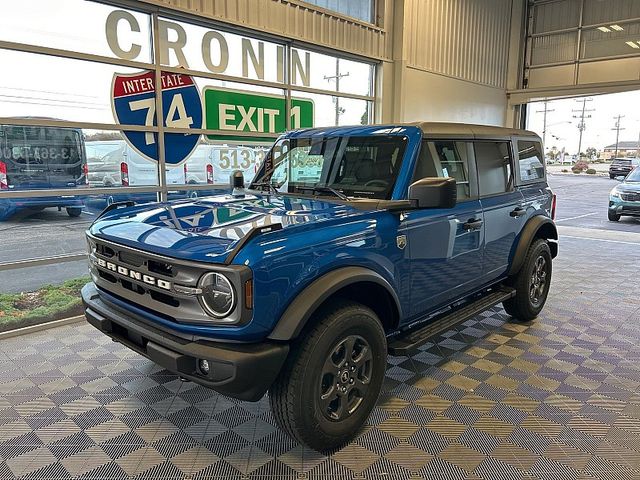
(635, 173)
(400, 140)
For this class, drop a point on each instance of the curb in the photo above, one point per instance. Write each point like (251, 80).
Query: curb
(42, 326)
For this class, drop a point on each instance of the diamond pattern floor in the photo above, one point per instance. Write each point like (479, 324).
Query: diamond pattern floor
(555, 399)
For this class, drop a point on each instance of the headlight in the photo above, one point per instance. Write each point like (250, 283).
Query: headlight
(218, 297)
(615, 193)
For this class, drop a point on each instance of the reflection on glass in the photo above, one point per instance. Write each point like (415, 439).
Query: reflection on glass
(343, 167)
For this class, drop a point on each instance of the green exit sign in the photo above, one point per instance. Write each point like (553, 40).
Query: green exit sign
(257, 113)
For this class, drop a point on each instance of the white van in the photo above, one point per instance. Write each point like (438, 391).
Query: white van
(113, 163)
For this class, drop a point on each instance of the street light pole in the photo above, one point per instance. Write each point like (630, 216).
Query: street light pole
(337, 78)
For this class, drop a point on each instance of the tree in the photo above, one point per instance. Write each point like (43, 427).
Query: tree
(591, 153)
(553, 154)
(103, 136)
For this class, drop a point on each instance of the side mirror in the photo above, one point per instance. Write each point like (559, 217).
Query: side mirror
(434, 193)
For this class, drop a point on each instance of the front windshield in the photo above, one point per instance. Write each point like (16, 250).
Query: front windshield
(363, 167)
(634, 176)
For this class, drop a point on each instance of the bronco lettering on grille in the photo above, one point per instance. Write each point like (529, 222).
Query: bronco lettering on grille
(126, 272)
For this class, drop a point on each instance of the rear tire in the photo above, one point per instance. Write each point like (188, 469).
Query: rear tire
(612, 176)
(613, 217)
(74, 212)
(531, 283)
(332, 378)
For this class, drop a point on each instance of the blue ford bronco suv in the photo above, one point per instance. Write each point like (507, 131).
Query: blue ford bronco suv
(350, 244)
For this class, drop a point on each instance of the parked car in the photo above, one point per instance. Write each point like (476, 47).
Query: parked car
(35, 158)
(621, 167)
(115, 163)
(624, 198)
(303, 286)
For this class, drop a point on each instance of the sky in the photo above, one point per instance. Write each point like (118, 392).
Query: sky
(562, 127)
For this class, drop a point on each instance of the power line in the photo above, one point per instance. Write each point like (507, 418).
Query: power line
(581, 124)
(617, 128)
(544, 121)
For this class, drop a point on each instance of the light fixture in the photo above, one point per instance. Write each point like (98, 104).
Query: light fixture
(633, 44)
(604, 29)
(617, 28)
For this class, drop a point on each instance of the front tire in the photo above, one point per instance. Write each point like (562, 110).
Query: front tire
(531, 283)
(332, 377)
(612, 216)
(74, 212)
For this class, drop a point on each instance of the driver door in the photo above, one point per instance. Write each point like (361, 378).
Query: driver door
(445, 246)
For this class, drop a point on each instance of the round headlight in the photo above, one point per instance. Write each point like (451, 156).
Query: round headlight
(217, 297)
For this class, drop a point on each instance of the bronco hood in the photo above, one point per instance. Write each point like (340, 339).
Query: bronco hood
(208, 229)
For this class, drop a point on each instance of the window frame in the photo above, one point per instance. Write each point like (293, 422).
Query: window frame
(509, 141)
(516, 155)
(474, 187)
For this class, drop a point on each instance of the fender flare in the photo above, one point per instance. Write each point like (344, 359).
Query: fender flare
(529, 233)
(299, 311)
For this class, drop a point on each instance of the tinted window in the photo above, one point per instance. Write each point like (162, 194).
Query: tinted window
(494, 167)
(355, 166)
(445, 159)
(530, 161)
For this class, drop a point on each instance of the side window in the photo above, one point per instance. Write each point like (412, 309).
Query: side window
(445, 158)
(494, 167)
(530, 163)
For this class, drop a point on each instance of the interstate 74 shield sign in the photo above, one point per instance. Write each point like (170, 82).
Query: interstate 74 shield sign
(134, 103)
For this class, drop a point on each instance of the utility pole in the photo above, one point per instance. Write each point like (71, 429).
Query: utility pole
(617, 128)
(581, 124)
(544, 122)
(337, 78)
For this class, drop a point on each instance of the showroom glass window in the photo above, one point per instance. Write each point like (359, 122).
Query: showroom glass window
(361, 9)
(92, 158)
(495, 174)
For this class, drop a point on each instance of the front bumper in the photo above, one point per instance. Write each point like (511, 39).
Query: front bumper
(621, 207)
(243, 371)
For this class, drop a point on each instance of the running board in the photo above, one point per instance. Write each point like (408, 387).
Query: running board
(406, 343)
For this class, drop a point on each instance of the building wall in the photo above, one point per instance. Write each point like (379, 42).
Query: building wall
(453, 60)
(434, 97)
(292, 19)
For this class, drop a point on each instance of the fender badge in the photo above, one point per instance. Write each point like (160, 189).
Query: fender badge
(401, 241)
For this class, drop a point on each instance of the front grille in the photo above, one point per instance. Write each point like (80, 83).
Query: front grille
(630, 197)
(147, 280)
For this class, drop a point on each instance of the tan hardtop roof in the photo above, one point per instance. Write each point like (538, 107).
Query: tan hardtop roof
(468, 129)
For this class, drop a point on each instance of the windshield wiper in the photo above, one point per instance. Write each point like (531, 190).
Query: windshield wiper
(264, 184)
(326, 189)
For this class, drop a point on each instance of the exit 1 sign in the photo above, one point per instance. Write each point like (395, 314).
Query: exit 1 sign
(238, 111)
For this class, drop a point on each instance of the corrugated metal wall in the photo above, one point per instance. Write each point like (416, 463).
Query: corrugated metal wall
(466, 39)
(587, 44)
(292, 19)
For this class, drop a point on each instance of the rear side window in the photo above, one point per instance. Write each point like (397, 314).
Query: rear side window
(445, 158)
(495, 174)
(530, 161)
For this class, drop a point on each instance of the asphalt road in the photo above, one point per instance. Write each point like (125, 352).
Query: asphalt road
(583, 200)
(582, 203)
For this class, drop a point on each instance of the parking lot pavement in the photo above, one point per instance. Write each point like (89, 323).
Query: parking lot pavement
(582, 203)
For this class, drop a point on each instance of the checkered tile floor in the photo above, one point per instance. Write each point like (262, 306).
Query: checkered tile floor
(494, 399)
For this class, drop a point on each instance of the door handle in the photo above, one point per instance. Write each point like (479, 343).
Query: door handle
(518, 212)
(472, 224)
